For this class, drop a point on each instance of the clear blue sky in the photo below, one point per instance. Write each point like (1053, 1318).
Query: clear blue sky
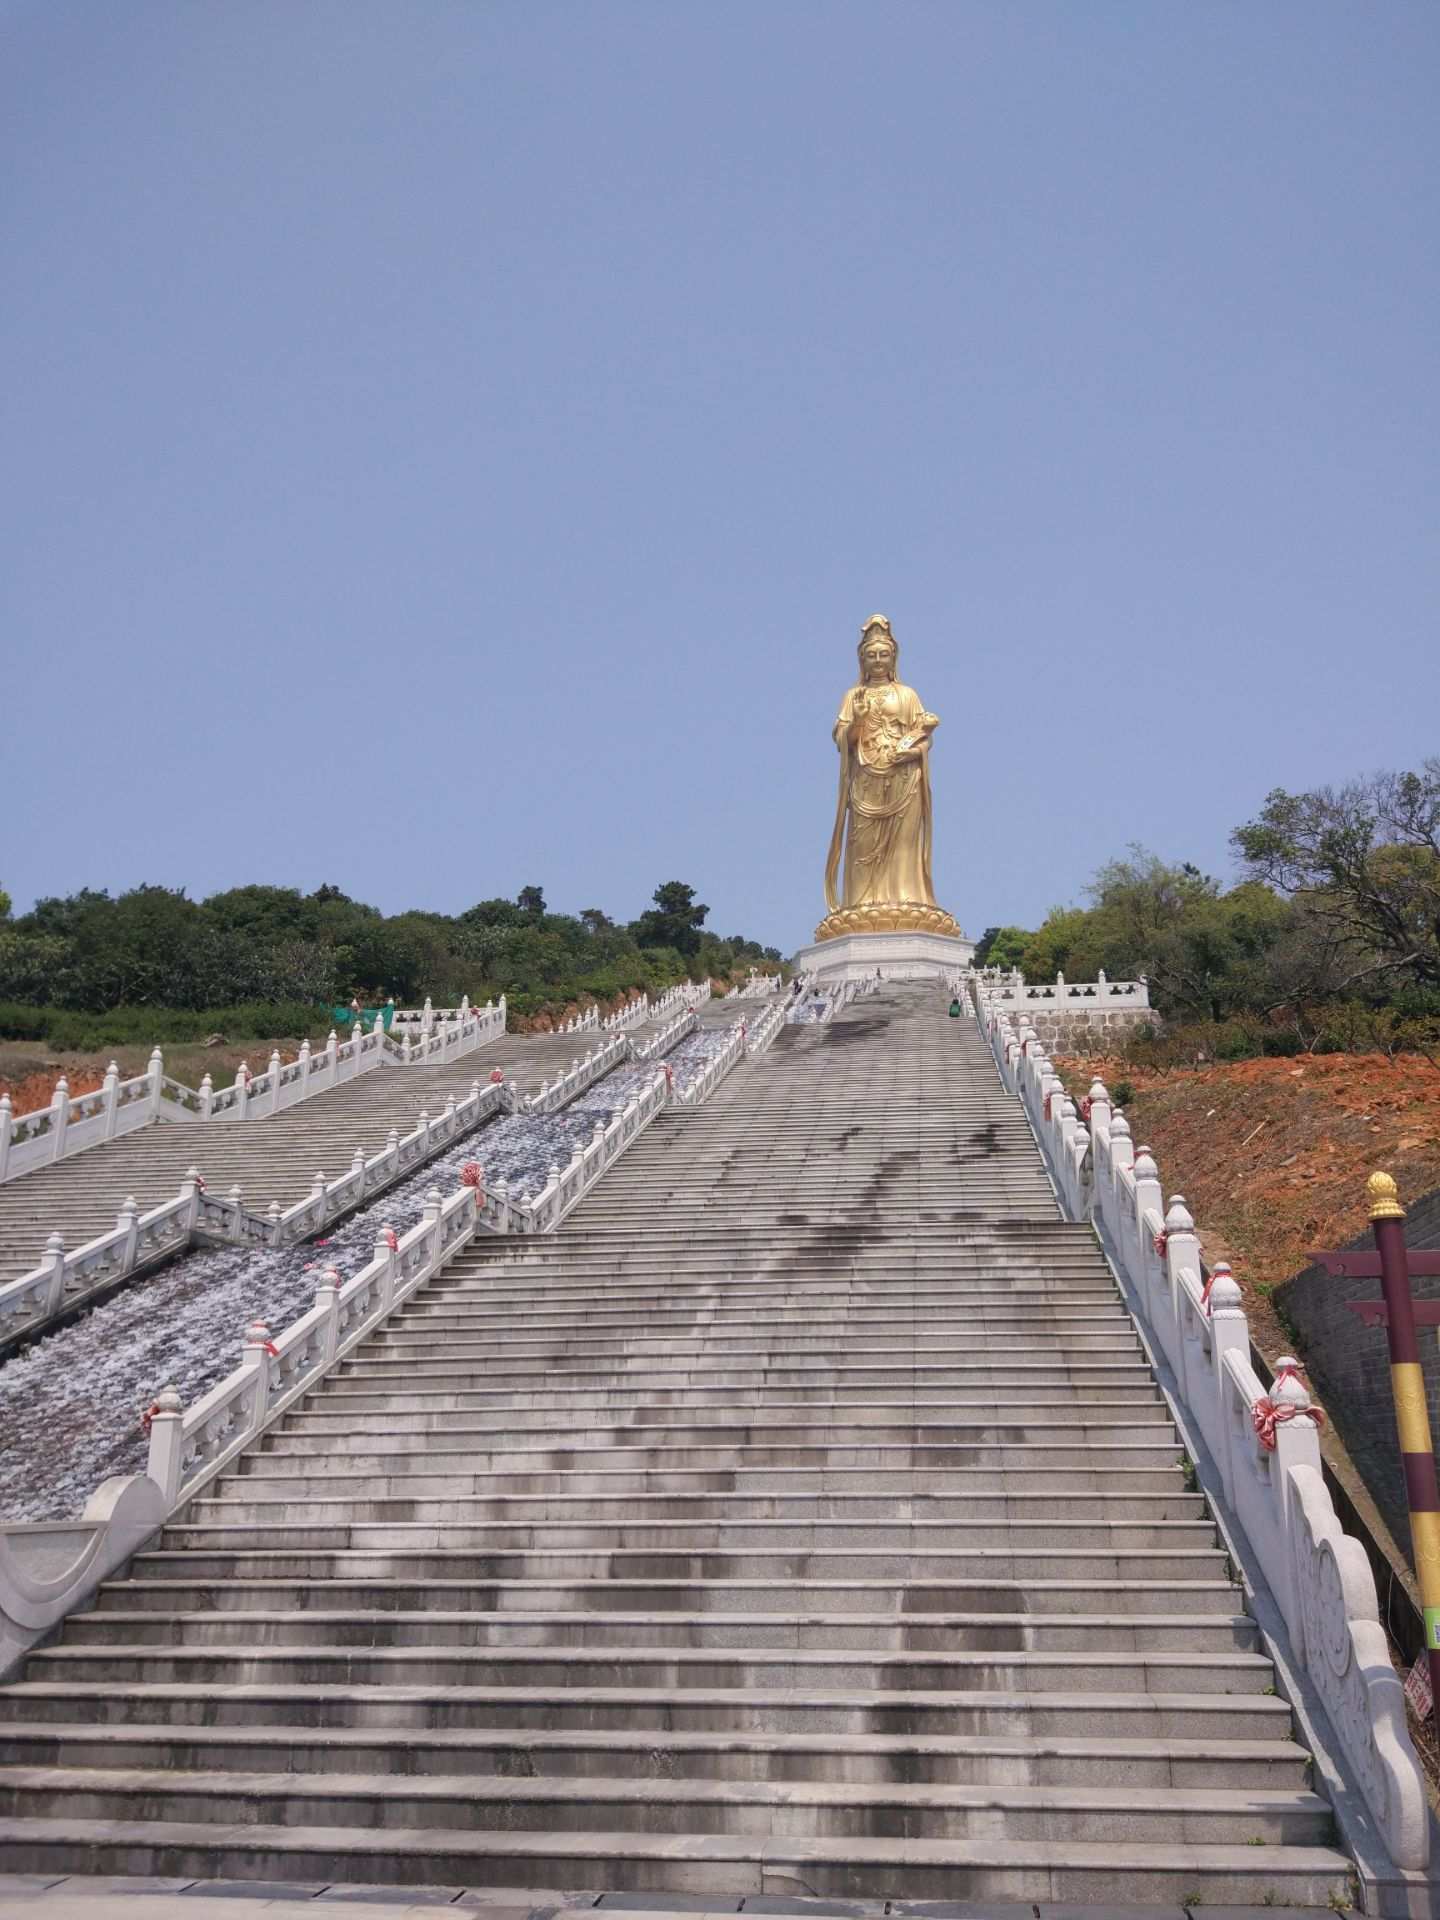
(453, 444)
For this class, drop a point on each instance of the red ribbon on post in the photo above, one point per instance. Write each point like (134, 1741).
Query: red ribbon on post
(1267, 1414)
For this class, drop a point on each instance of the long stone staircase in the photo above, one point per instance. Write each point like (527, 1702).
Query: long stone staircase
(802, 1518)
(275, 1158)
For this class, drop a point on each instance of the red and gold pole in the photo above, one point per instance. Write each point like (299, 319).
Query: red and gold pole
(1412, 1417)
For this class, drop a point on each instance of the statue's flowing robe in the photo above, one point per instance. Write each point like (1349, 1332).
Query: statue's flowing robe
(883, 813)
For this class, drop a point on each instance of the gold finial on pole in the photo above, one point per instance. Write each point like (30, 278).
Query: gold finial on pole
(1384, 1197)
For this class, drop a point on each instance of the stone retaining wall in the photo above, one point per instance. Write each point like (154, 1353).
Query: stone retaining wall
(1086, 1029)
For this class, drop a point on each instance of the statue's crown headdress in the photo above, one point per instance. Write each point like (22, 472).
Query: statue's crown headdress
(877, 620)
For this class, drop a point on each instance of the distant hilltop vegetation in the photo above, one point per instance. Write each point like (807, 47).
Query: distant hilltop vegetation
(73, 968)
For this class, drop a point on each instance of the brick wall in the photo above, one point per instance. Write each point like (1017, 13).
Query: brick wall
(1349, 1364)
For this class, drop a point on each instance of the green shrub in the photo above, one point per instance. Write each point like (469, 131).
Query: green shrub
(1232, 1042)
(1122, 1093)
(161, 1026)
(1281, 1043)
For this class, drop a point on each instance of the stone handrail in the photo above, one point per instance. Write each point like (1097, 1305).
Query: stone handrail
(720, 1063)
(666, 1038)
(1277, 1500)
(65, 1280)
(761, 1031)
(758, 986)
(567, 1186)
(635, 1014)
(1010, 990)
(187, 1449)
(71, 1123)
(48, 1568)
(689, 993)
(583, 1073)
(819, 1004)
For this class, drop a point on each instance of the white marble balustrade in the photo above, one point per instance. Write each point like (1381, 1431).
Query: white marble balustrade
(70, 1124)
(66, 1278)
(1278, 1505)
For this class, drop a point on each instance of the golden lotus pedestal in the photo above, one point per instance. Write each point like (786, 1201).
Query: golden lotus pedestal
(899, 940)
(891, 916)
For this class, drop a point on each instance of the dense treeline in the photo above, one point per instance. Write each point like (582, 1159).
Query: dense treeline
(1331, 940)
(277, 948)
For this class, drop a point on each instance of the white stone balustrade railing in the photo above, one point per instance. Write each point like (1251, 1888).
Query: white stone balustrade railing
(758, 986)
(634, 1014)
(66, 1279)
(761, 1031)
(567, 1186)
(48, 1568)
(70, 1124)
(822, 1000)
(661, 1042)
(582, 1073)
(454, 1032)
(720, 1063)
(689, 993)
(1010, 991)
(1277, 1501)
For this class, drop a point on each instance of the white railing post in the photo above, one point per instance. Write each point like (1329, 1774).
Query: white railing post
(59, 1117)
(430, 1220)
(166, 1459)
(326, 1296)
(207, 1096)
(384, 1255)
(427, 1017)
(1229, 1333)
(256, 1355)
(53, 1262)
(332, 1059)
(7, 1129)
(111, 1104)
(155, 1074)
(304, 1092)
(242, 1089)
(127, 1222)
(275, 1081)
(190, 1193)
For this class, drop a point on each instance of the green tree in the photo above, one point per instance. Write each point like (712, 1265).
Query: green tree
(531, 902)
(1365, 858)
(674, 921)
(1002, 946)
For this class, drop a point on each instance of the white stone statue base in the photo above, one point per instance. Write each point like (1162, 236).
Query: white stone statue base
(898, 956)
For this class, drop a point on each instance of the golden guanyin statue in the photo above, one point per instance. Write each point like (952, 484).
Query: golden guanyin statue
(883, 816)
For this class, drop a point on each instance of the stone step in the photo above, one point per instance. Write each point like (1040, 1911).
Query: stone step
(852, 1405)
(750, 1549)
(304, 1440)
(785, 1470)
(237, 1589)
(785, 1371)
(761, 1808)
(332, 1629)
(420, 1349)
(1226, 1670)
(695, 1862)
(660, 1315)
(470, 1449)
(706, 1707)
(570, 1504)
(530, 1753)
